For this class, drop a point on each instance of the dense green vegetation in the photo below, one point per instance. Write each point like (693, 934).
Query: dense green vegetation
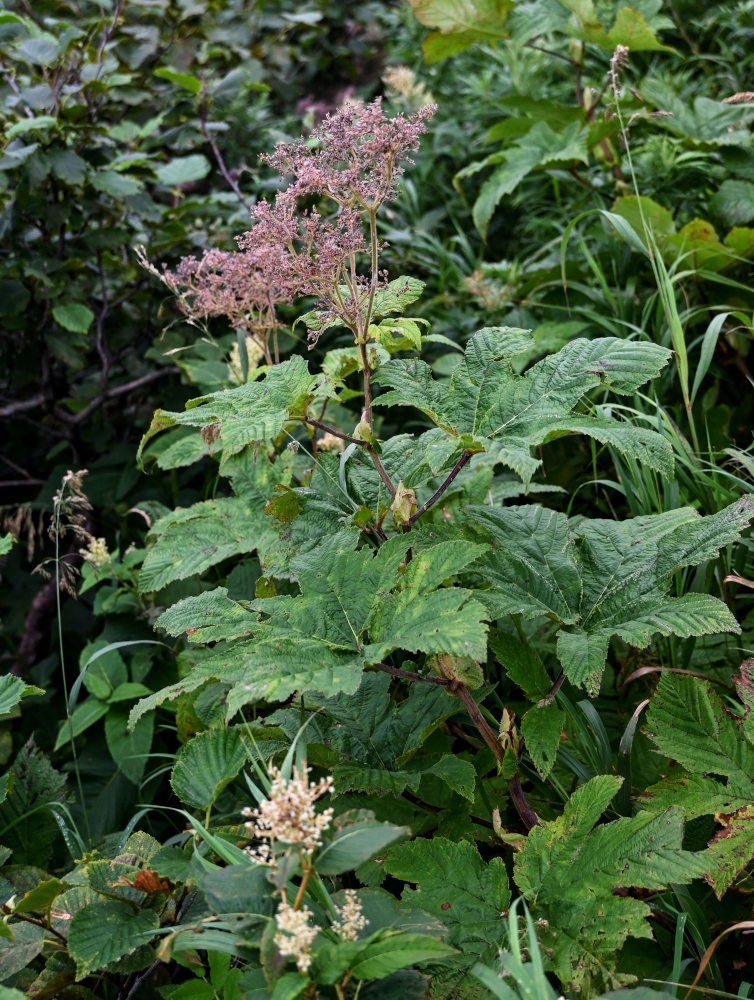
(376, 557)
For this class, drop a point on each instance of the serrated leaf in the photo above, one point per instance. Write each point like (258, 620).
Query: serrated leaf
(540, 147)
(105, 930)
(688, 722)
(367, 730)
(12, 690)
(456, 773)
(541, 728)
(191, 539)
(249, 414)
(629, 28)
(207, 764)
(456, 886)
(26, 826)
(601, 579)
(21, 948)
(348, 598)
(568, 869)
(459, 23)
(508, 414)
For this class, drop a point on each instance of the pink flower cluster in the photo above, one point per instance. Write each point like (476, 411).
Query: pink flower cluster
(353, 159)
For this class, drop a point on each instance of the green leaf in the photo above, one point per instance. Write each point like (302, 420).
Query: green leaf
(247, 415)
(354, 609)
(374, 737)
(456, 886)
(460, 23)
(115, 184)
(354, 844)
(24, 946)
(42, 122)
(568, 869)
(207, 764)
(540, 147)
(456, 773)
(105, 930)
(27, 826)
(40, 897)
(541, 729)
(74, 317)
(690, 723)
(507, 414)
(396, 951)
(12, 690)
(41, 51)
(84, 716)
(183, 170)
(129, 749)
(186, 80)
(399, 293)
(190, 540)
(601, 579)
(629, 28)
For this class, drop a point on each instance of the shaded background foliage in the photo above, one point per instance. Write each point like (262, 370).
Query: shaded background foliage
(141, 123)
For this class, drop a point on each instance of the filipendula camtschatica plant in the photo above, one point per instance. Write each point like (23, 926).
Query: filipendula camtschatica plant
(396, 558)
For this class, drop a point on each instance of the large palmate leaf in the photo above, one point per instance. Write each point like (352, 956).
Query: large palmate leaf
(376, 739)
(355, 608)
(688, 722)
(601, 579)
(249, 414)
(568, 870)
(189, 540)
(487, 406)
(455, 885)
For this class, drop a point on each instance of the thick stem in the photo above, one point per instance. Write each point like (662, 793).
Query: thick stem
(409, 675)
(331, 430)
(524, 810)
(306, 871)
(465, 456)
(383, 472)
(549, 698)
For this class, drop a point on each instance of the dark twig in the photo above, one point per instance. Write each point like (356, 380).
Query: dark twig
(22, 404)
(34, 920)
(524, 810)
(229, 179)
(465, 456)
(143, 978)
(118, 390)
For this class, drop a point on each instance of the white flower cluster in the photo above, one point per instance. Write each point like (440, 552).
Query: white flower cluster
(254, 353)
(401, 82)
(295, 934)
(287, 814)
(350, 918)
(96, 552)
